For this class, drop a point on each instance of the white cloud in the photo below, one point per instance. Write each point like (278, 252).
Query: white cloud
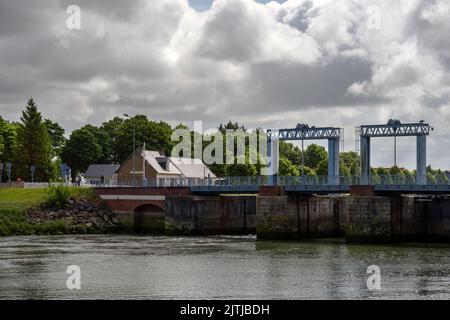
(274, 65)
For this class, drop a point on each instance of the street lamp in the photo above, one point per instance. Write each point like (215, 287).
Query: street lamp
(134, 150)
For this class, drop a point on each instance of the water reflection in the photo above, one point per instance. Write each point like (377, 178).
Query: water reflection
(137, 267)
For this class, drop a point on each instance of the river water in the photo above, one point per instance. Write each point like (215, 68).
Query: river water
(144, 267)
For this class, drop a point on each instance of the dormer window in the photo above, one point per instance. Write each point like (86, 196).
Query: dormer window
(163, 162)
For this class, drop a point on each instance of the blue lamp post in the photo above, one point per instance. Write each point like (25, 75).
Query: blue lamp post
(8, 168)
(32, 170)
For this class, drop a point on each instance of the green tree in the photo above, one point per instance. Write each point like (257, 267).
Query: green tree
(291, 153)
(314, 154)
(309, 175)
(351, 161)
(56, 133)
(156, 135)
(437, 177)
(3, 125)
(398, 175)
(81, 150)
(8, 141)
(374, 176)
(230, 126)
(104, 141)
(385, 176)
(322, 168)
(409, 177)
(33, 145)
(441, 177)
(241, 170)
(111, 128)
(431, 178)
(286, 168)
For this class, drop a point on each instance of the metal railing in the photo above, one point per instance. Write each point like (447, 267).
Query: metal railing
(253, 181)
(394, 180)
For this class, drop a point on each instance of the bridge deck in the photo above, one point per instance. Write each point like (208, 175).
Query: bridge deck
(324, 189)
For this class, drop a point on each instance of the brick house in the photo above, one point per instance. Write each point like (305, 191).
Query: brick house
(161, 170)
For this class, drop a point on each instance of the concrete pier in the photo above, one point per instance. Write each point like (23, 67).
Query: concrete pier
(210, 215)
(299, 217)
(368, 219)
(398, 219)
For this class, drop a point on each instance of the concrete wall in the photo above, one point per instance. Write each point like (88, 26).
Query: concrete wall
(436, 214)
(210, 215)
(395, 219)
(274, 220)
(299, 217)
(276, 215)
(13, 184)
(368, 219)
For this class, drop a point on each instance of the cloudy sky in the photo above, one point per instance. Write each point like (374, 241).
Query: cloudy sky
(264, 64)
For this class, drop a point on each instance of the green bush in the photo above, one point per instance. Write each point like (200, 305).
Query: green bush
(13, 222)
(51, 228)
(57, 197)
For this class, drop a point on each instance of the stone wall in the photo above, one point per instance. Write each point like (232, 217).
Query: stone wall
(274, 220)
(210, 215)
(299, 217)
(78, 216)
(436, 212)
(274, 214)
(398, 219)
(368, 219)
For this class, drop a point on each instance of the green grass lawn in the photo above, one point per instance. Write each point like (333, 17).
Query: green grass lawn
(15, 202)
(20, 199)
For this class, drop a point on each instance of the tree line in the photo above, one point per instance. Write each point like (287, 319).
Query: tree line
(41, 143)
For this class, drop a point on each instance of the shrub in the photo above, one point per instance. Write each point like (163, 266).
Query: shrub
(51, 228)
(57, 197)
(13, 222)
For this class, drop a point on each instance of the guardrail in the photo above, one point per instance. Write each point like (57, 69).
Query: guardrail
(394, 180)
(250, 183)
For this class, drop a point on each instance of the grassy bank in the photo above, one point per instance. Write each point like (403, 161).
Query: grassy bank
(14, 204)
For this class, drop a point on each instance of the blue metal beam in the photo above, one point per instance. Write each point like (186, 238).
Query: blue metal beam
(396, 130)
(305, 133)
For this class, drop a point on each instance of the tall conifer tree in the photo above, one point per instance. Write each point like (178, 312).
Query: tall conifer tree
(33, 145)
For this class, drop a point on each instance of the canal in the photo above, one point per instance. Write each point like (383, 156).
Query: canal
(144, 267)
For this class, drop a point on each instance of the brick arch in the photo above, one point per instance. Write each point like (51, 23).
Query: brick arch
(136, 204)
(149, 207)
(149, 218)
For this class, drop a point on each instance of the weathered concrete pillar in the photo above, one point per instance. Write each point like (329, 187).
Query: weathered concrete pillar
(368, 219)
(273, 149)
(274, 220)
(437, 218)
(299, 217)
(333, 161)
(365, 160)
(210, 215)
(408, 219)
(394, 219)
(421, 178)
(326, 216)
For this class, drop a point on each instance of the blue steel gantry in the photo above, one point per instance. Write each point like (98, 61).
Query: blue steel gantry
(303, 132)
(395, 128)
